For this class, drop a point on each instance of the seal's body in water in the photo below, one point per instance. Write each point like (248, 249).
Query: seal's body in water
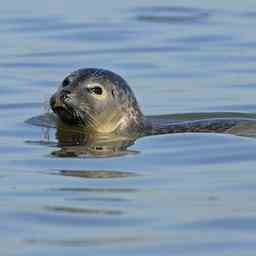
(101, 102)
(97, 110)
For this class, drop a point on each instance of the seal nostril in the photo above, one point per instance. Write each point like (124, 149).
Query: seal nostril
(65, 94)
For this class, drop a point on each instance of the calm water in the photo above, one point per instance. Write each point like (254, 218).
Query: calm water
(185, 194)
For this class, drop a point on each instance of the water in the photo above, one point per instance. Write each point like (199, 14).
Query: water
(181, 194)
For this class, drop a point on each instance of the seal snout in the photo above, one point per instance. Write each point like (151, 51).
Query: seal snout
(59, 105)
(55, 102)
(58, 99)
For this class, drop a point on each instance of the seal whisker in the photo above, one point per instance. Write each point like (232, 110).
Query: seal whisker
(92, 120)
(85, 118)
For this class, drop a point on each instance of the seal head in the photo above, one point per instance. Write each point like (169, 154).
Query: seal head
(99, 101)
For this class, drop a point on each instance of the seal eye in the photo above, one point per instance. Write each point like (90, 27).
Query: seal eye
(65, 82)
(96, 90)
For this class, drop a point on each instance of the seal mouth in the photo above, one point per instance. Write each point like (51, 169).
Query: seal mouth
(65, 115)
(65, 112)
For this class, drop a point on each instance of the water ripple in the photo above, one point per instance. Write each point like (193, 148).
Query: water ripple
(124, 50)
(51, 24)
(172, 14)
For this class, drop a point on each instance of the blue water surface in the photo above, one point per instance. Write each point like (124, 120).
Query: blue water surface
(179, 194)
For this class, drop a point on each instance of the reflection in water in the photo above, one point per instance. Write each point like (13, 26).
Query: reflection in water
(74, 210)
(96, 174)
(75, 143)
(63, 217)
(102, 199)
(84, 151)
(99, 190)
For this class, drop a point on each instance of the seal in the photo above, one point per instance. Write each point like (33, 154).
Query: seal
(96, 114)
(101, 102)
(98, 101)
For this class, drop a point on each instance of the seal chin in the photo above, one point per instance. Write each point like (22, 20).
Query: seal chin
(64, 115)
